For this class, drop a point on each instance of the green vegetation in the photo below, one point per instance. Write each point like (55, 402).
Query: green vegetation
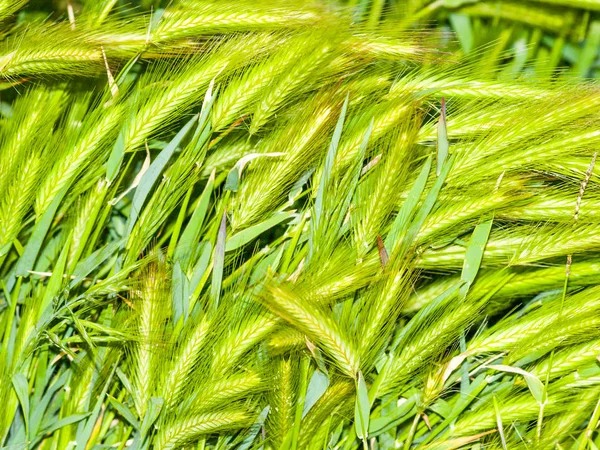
(287, 224)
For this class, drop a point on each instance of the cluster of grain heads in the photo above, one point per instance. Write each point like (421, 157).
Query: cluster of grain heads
(277, 225)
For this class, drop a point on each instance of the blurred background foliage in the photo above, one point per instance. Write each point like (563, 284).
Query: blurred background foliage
(536, 37)
(540, 38)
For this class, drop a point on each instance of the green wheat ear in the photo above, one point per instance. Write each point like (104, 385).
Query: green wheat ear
(303, 224)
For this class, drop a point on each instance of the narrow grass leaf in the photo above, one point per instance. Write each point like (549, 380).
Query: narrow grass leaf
(461, 23)
(329, 160)
(586, 436)
(116, 157)
(209, 99)
(294, 433)
(136, 181)
(57, 425)
(589, 53)
(180, 294)
(124, 412)
(21, 387)
(254, 429)
(56, 280)
(122, 76)
(218, 262)
(153, 172)
(499, 422)
(429, 202)
(39, 409)
(202, 264)
(243, 237)
(84, 433)
(534, 384)
(442, 139)
(235, 174)
(124, 380)
(393, 418)
(191, 233)
(362, 408)
(155, 405)
(318, 384)
(407, 210)
(199, 274)
(92, 262)
(474, 254)
(299, 185)
(30, 254)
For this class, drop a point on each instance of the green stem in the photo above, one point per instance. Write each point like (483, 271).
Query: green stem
(411, 433)
(592, 424)
(304, 366)
(375, 13)
(177, 228)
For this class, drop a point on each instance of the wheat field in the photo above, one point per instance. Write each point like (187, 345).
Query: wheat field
(299, 224)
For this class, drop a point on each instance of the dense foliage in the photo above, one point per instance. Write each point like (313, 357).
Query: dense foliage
(289, 224)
